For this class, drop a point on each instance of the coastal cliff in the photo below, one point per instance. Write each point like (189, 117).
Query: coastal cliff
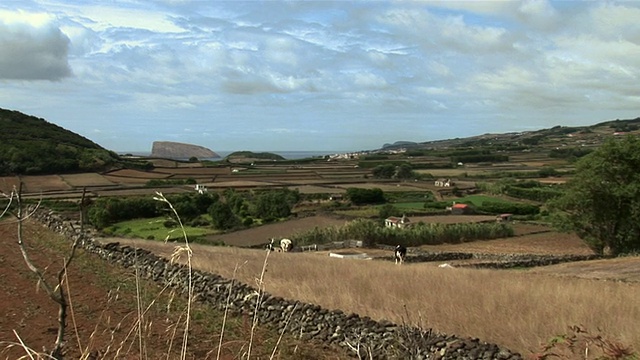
(178, 151)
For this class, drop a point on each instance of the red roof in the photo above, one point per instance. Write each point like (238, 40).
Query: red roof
(460, 206)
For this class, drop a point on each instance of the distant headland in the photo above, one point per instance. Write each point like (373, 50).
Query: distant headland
(178, 151)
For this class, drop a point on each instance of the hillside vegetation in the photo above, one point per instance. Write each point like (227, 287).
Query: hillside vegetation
(33, 146)
(250, 155)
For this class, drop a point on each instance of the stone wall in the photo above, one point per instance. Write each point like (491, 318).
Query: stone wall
(361, 336)
(491, 261)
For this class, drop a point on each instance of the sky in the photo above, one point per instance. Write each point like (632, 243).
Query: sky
(316, 75)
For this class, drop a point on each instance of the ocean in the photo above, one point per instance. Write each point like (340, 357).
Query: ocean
(289, 155)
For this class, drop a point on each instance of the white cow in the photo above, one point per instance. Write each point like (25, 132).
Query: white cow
(286, 245)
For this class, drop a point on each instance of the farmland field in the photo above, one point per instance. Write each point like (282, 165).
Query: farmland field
(86, 179)
(7, 183)
(465, 302)
(44, 183)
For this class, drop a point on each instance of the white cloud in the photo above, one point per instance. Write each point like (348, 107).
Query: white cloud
(341, 69)
(369, 80)
(105, 17)
(33, 47)
(539, 13)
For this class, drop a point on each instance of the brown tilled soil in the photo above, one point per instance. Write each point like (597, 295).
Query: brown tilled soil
(104, 311)
(262, 234)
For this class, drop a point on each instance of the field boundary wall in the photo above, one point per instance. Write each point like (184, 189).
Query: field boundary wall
(361, 336)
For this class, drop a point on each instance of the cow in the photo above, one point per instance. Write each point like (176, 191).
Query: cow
(400, 254)
(286, 245)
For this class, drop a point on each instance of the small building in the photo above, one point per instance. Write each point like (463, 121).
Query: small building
(201, 189)
(336, 197)
(503, 217)
(396, 222)
(443, 183)
(461, 209)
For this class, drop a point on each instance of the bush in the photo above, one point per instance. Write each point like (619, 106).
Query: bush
(170, 224)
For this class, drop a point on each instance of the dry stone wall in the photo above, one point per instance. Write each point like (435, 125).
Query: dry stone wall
(361, 336)
(492, 261)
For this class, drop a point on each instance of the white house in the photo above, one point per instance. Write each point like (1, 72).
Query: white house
(443, 183)
(396, 222)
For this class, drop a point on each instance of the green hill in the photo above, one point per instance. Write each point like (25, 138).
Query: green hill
(33, 146)
(253, 156)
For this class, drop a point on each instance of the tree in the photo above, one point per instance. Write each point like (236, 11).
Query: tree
(386, 171)
(365, 196)
(602, 201)
(222, 216)
(388, 210)
(405, 171)
(271, 205)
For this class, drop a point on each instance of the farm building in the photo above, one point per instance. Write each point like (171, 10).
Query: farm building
(503, 218)
(443, 183)
(461, 209)
(396, 222)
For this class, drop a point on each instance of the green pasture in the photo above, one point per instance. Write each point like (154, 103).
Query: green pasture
(154, 228)
(409, 205)
(478, 200)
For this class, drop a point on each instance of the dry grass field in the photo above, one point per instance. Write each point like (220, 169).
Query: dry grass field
(7, 183)
(86, 179)
(519, 309)
(44, 183)
(136, 174)
(198, 171)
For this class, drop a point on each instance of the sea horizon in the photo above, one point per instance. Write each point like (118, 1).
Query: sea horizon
(289, 155)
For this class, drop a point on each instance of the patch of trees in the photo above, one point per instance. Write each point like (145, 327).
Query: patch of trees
(365, 196)
(372, 232)
(438, 205)
(623, 126)
(33, 146)
(391, 171)
(275, 204)
(480, 158)
(374, 164)
(463, 152)
(163, 182)
(375, 157)
(569, 153)
(230, 210)
(447, 165)
(529, 190)
(416, 152)
(498, 207)
(601, 203)
(533, 140)
(563, 130)
(544, 172)
(255, 155)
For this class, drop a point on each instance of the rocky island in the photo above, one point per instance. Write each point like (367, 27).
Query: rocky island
(180, 151)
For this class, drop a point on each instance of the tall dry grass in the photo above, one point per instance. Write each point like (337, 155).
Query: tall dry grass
(517, 309)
